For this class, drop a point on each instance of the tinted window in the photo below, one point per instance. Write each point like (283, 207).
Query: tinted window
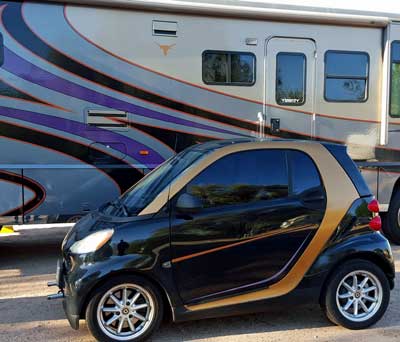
(241, 178)
(346, 76)
(149, 187)
(228, 68)
(395, 81)
(304, 174)
(290, 79)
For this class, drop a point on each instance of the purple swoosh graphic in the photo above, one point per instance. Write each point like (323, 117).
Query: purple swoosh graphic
(79, 129)
(32, 73)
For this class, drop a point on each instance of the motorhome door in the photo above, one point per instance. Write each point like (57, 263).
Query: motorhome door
(394, 94)
(290, 78)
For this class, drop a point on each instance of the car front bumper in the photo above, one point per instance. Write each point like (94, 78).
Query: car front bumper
(70, 303)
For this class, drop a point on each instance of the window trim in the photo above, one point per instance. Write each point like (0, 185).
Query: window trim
(397, 61)
(235, 84)
(326, 75)
(304, 79)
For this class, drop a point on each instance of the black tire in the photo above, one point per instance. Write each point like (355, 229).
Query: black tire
(329, 303)
(91, 311)
(391, 227)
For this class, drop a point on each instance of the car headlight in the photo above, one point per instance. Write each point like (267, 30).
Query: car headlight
(92, 242)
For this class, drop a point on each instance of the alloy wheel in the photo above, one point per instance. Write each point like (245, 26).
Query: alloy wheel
(125, 312)
(359, 296)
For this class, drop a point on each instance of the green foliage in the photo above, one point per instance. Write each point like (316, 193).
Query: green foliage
(395, 90)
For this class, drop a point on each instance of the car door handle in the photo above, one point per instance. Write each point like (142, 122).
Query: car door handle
(185, 217)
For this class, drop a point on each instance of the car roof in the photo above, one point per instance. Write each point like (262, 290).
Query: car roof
(218, 144)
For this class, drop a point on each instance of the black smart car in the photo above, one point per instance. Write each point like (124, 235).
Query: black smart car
(225, 228)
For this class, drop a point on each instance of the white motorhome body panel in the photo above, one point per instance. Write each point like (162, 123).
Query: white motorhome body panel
(355, 123)
(308, 11)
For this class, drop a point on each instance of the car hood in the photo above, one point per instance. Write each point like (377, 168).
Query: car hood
(92, 223)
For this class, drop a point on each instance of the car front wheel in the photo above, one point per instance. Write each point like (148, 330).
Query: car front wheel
(126, 308)
(357, 294)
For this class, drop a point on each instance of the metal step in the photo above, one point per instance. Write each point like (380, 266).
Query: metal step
(58, 295)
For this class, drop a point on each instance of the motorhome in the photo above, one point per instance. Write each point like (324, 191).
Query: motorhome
(95, 93)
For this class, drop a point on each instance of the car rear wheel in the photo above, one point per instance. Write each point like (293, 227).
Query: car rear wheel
(391, 226)
(126, 308)
(357, 294)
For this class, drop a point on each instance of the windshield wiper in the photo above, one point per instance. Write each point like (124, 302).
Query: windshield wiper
(120, 206)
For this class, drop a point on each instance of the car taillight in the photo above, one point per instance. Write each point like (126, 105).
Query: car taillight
(376, 222)
(373, 206)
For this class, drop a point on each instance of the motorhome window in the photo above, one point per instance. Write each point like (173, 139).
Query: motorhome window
(395, 81)
(229, 68)
(346, 76)
(290, 79)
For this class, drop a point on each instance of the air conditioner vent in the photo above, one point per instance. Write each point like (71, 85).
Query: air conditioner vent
(165, 28)
(111, 119)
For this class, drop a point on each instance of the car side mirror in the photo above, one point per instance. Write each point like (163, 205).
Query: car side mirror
(188, 204)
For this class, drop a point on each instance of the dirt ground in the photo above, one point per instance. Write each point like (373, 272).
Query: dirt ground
(27, 262)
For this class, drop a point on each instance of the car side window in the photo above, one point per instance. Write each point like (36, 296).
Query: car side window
(241, 178)
(305, 178)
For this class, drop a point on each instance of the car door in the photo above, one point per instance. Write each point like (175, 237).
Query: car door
(252, 227)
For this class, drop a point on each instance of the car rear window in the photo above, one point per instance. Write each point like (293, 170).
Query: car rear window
(304, 174)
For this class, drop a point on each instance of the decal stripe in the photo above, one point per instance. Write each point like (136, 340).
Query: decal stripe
(30, 72)
(177, 141)
(36, 188)
(239, 243)
(17, 27)
(123, 174)
(9, 91)
(122, 143)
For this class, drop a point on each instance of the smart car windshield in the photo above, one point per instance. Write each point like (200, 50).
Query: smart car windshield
(134, 200)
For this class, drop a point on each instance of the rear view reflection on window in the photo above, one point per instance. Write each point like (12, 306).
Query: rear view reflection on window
(228, 68)
(290, 79)
(241, 178)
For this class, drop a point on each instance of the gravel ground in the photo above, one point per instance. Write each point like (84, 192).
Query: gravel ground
(27, 262)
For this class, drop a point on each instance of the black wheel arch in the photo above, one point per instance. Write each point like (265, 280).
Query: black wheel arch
(368, 256)
(166, 298)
